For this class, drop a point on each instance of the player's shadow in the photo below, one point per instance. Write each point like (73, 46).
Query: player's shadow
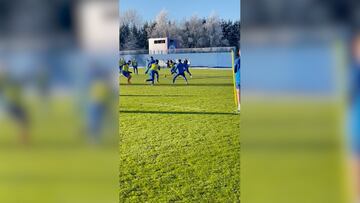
(211, 77)
(180, 84)
(178, 112)
(154, 95)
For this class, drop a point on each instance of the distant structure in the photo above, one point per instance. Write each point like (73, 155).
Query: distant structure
(161, 45)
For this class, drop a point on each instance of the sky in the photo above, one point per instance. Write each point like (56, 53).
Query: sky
(180, 9)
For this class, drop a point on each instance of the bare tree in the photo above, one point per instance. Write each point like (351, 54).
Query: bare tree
(214, 30)
(194, 32)
(131, 18)
(162, 25)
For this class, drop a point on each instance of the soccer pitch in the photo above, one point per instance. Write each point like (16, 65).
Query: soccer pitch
(182, 143)
(179, 142)
(185, 147)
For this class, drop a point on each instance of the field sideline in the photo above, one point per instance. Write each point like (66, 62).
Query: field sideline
(179, 142)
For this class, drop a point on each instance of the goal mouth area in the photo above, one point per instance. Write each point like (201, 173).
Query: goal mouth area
(210, 57)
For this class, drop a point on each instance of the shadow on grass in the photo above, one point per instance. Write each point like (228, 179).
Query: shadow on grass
(179, 112)
(58, 145)
(154, 95)
(209, 77)
(192, 85)
(291, 145)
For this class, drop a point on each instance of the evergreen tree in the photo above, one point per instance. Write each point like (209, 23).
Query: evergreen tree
(124, 35)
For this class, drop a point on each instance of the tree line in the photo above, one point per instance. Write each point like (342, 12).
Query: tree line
(193, 32)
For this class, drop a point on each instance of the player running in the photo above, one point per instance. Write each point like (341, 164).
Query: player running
(180, 71)
(152, 61)
(186, 66)
(237, 80)
(125, 72)
(153, 72)
(135, 66)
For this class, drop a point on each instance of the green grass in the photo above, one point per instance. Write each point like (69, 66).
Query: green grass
(179, 142)
(182, 143)
(58, 165)
(292, 152)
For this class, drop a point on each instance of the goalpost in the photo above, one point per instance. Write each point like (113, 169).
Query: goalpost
(212, 57)
(233, 73)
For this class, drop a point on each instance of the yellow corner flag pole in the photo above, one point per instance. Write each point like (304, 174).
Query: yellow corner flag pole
(233, 73)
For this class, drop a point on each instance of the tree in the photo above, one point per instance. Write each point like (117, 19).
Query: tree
(131, 41)
(124, 35)
(131, 18)
(231, 32)
(163, 27)
(142, 40)
(160, 28)
(214, 30)
(194, 32)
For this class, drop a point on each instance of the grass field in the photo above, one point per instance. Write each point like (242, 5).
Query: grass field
(179, 142)
(58, 165)
(182, 143)
(292, 151)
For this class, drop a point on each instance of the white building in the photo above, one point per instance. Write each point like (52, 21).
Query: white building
(161, 45)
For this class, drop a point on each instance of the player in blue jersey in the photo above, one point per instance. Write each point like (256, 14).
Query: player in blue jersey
(237, 80)
(354, 115)
(187, 66)
(180, 71)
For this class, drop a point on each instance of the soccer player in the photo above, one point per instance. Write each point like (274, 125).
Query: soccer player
(168, 63)
(97, 104)
(154, 71)
(121, 63)
(151, 61)
(354, 117)
(186, 66)
(237, 80)
(172, 67)
(180, 71)
(12, 93)
(135, 66)
(126, 72)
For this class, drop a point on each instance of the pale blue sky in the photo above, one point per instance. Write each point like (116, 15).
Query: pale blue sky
(180, 9)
